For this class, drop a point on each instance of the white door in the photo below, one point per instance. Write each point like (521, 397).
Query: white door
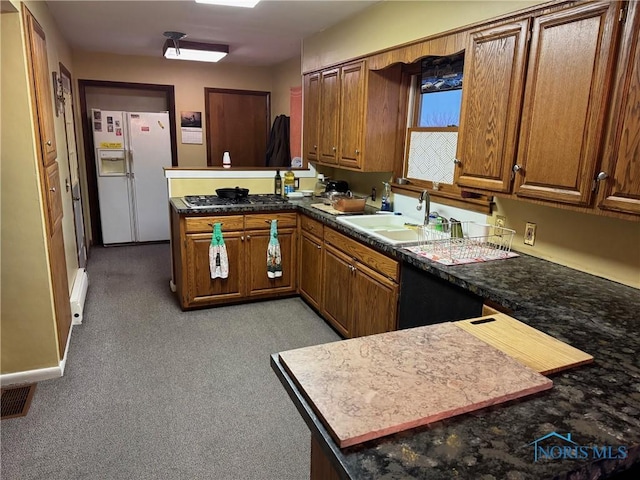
(72, 157)
(150, 151)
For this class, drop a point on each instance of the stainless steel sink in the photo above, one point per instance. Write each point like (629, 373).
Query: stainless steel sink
(392, 229)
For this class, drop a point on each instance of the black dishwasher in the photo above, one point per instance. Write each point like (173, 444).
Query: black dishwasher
(426, 299)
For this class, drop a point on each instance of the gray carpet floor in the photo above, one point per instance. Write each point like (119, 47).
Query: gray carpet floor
(151, 392)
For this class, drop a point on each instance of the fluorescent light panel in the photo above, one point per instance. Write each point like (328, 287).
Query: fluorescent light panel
(196, 51)
(231, 3)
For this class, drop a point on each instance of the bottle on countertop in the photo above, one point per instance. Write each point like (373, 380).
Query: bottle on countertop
(321, 186)
(277, 183)
(386, 198)
(289, 182)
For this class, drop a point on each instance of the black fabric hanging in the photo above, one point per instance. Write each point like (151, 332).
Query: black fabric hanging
(278, 148)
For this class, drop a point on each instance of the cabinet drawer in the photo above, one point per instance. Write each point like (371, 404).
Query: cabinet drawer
(312, 226)
(369, 257)
(261, 221)
(205, 224)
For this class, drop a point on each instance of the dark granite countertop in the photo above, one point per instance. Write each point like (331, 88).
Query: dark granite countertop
(598, 404)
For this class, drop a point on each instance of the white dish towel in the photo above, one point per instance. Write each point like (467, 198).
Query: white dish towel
(218, 260)
(274, 255)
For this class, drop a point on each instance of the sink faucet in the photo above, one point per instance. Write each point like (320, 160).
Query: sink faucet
(424, 196)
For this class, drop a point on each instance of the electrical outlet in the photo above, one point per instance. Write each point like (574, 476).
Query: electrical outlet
(501, 221)
(530, 234)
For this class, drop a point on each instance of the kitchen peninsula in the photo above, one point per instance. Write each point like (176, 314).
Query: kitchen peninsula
(598, 404)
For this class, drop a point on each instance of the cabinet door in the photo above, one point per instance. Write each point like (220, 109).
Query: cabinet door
(311, 115)
(42, 83)
(258, 281)
(54, 196)
(565, 101)
(374, 301)
(337, 290)
(201, 288)
(491, 101)
(311, 269)
(352, 88)
(620, 191)
(329, 115)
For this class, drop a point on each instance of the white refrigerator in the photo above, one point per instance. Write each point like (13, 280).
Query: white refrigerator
(131, 151)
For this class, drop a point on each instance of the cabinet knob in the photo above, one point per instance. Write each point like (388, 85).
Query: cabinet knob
(357, 152)
(318, 247)
(315, 147)
(333, 148)
(516, 168)
(242, 238)
(457, 162)
(248, 237)
(52, 189)
(602, 176)
(49, 143)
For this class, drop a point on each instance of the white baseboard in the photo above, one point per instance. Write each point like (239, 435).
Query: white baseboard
(30, 376)
(39, 374)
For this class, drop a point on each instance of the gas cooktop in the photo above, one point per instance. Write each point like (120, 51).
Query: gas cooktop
(206, 201)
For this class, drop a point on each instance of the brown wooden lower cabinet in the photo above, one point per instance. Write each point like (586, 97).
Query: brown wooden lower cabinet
(357, 299)
(258, 282)
(246, 238)
(321, 468)
(337, 288)
(201, 289)
(310, 263)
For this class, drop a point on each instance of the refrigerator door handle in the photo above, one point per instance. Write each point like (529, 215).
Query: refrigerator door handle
(131, 174)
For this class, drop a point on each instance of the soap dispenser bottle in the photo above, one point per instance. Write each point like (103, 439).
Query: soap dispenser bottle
(386, 198)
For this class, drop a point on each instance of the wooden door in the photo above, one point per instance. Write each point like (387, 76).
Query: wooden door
(311, 269)
(352, 90)
(258, 281)
(61, 302)
(494, 67)
(565, 102)
(54, 196)
(311, 124)
(337, 290)
(49, 175)
(375, 302)
(43, 83)
(620, 190)
(329, 115)
(201, 288)
(238, 122)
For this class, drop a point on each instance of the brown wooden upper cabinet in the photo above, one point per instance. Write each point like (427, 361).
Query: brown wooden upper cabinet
(357, 117)
(557, 94)
(42, 82)
(311, 132)
(620, 175)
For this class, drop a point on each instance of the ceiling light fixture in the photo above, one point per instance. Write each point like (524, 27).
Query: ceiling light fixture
(231, 3)
(175, 49)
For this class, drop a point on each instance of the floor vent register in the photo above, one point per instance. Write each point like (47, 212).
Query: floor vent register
(17, 400)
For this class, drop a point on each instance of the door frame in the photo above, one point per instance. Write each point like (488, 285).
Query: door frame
(89, 150)
(82, 263)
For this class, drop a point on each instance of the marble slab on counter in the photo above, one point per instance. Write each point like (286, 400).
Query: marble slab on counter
(369, 387)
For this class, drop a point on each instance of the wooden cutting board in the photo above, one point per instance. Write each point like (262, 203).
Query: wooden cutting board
(372, 386)
(532, 347)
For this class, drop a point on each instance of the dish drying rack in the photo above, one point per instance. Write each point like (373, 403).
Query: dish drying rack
(465, 242)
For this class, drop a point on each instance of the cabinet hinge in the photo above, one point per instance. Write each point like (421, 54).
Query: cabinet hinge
(622, 16)
(594, 185)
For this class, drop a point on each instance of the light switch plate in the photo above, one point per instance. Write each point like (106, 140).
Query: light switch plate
(501, 221)
(530, 234)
